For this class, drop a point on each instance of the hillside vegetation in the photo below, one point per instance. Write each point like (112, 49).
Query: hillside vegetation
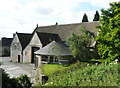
(95, 75)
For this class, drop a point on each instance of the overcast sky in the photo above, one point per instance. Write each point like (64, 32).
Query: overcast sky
(23, 15)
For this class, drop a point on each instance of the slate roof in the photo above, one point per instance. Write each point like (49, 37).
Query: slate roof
(6, 41)
(65, 30)
(24, 39)
(46, 38)
(55, 48)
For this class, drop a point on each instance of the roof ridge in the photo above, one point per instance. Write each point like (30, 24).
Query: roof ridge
(68, 24)
(24, 33)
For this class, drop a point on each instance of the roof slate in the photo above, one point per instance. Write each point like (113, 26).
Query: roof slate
(55, 48)
(65, 30)
(46, 38)
(24, 39)
(6, 41)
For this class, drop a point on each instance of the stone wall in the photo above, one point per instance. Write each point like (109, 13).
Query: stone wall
(27, 52)
(16, 49)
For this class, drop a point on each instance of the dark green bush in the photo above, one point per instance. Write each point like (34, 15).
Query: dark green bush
(24, 81)
(8, 82)
(20, 82)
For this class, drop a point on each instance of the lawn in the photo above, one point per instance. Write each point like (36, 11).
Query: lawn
(49, 69)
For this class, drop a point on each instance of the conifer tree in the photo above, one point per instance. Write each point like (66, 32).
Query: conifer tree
(85, 18)
(96, 16)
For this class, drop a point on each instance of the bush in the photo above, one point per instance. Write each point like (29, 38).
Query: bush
(20, 82)
(101, 75)
(8, 82)
(24, 81)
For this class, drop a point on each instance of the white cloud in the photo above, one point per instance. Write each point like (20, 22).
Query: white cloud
(23, 15)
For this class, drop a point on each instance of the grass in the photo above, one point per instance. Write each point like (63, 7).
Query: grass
(49, 69)
(52, 69)
(95, 75)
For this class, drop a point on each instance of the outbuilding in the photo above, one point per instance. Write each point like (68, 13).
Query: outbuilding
(54, 52)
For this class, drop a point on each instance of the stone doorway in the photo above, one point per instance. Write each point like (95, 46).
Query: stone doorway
(18, 58)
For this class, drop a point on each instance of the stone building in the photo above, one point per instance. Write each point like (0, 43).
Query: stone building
(20, 41)
(53, 53)
(5, 46)
(24, 45)
(38, 41)
(65, 30)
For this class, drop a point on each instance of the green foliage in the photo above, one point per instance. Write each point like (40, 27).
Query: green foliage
(98, 60)
(8, 82)
(109, 35)
(101, 75)
(38, 85)
(96, 16)
(79, 43)
(20, 82)
(52, 68)
(85, 18)
(72, 67)
(24, 81)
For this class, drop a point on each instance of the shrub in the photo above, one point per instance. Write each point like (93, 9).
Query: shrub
(19, 82)
(8, 82)
(101, 75)
(24, 81)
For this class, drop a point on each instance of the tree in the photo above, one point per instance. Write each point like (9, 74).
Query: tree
(96, 16)
(85, 18)
(79, 44)
(109, 35)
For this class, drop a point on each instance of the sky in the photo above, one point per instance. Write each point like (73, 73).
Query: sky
(23, 15)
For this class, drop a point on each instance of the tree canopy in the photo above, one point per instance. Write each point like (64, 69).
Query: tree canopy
(79, 44)
(96, 16)
(85, 18)
(109, 36)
